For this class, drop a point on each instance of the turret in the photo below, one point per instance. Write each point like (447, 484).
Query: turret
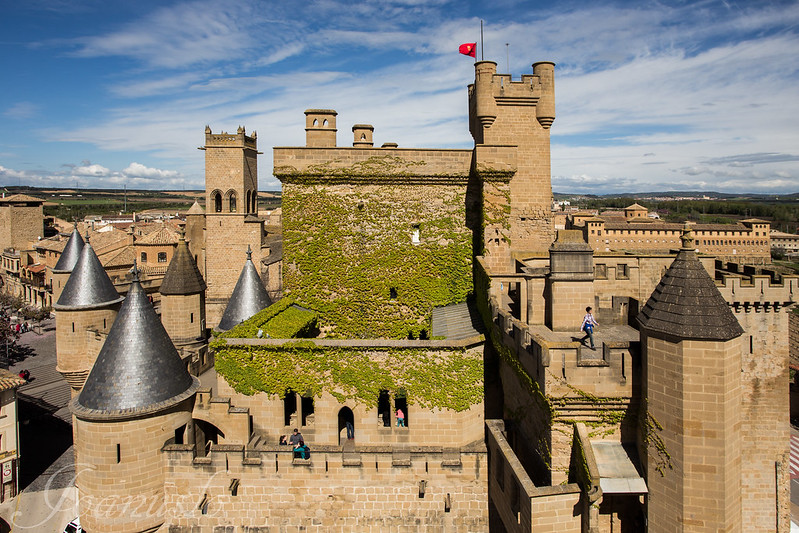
(510, 121)
(87, 306)
(248, 297)
(692, 384)
(545, 110)
(570, 281)
(485, 107)
(67, 261)
(362, 135)
(137, 398)
(320, 128)
(183, 303)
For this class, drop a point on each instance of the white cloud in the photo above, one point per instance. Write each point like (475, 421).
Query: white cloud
(137, 170)
(88, 170)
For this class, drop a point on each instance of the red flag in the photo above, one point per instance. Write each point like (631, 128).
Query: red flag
(468, 49)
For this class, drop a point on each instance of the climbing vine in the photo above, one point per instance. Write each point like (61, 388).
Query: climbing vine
(349, 254)
(451, 379)
(281, 320)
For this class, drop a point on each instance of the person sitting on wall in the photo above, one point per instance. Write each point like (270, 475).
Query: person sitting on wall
(302, 451)
(296, 438)
(400, 418)
(284, 441)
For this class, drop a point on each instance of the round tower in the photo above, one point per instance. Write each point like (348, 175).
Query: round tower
(66, 263)
(183, 307)
(87, 306)
(692, 383)
(248, 297)
(137, 398)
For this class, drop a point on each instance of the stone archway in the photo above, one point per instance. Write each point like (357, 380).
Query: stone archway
(345, 415)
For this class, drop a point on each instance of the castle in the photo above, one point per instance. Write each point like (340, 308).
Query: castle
(430, 284)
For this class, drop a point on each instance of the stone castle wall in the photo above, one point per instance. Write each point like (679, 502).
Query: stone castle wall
(425, 427)
(765, 428)
(120, 471)
(793, 338)
(374, 259)
(226, 242)
(360, 491)
(75, 333)
(20, 226)
(183, 316)
(694, 392)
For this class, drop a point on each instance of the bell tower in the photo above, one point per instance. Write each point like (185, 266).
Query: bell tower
(231, 209)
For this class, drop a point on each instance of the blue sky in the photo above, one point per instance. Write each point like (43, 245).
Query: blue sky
(673, 95)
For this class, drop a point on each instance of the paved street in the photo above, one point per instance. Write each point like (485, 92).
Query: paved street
(47, 500)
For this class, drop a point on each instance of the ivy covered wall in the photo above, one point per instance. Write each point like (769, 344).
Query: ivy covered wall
(450, 378)
(349, 254)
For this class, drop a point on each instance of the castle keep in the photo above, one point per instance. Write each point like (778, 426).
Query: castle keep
(427, 346)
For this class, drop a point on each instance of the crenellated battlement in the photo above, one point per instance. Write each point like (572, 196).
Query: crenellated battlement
(223, 139)
(759, 293)
(335, 488)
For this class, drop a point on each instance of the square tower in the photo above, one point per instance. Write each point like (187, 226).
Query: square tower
(231, 195)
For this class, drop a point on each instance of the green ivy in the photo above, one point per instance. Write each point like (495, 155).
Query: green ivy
(346, 249)
(281, 320)
(451, 379)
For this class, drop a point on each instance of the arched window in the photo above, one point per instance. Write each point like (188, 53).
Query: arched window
(254, 202)
(217, 196)
(231, 202)
(247, 202)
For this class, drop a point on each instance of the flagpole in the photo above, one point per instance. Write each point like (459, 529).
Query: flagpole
(482, 52)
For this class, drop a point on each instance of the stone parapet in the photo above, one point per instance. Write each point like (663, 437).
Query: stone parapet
(759, 292)
(520, 504)
(366, 487)
(371, 165)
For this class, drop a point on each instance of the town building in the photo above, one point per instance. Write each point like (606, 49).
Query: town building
(635, 231)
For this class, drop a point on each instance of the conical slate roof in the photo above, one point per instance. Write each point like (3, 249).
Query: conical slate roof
(138, 369)
(71, 254)
(248, 297)
(182, 275)
(686, 304)
(88, 286)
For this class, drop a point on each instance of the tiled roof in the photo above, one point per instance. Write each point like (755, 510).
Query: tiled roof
(9, 380)
(118, 258)
(56, 243)
(159, 236)
(20, 198)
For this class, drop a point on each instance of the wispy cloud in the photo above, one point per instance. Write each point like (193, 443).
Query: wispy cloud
(21, 110)
(665, 93)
